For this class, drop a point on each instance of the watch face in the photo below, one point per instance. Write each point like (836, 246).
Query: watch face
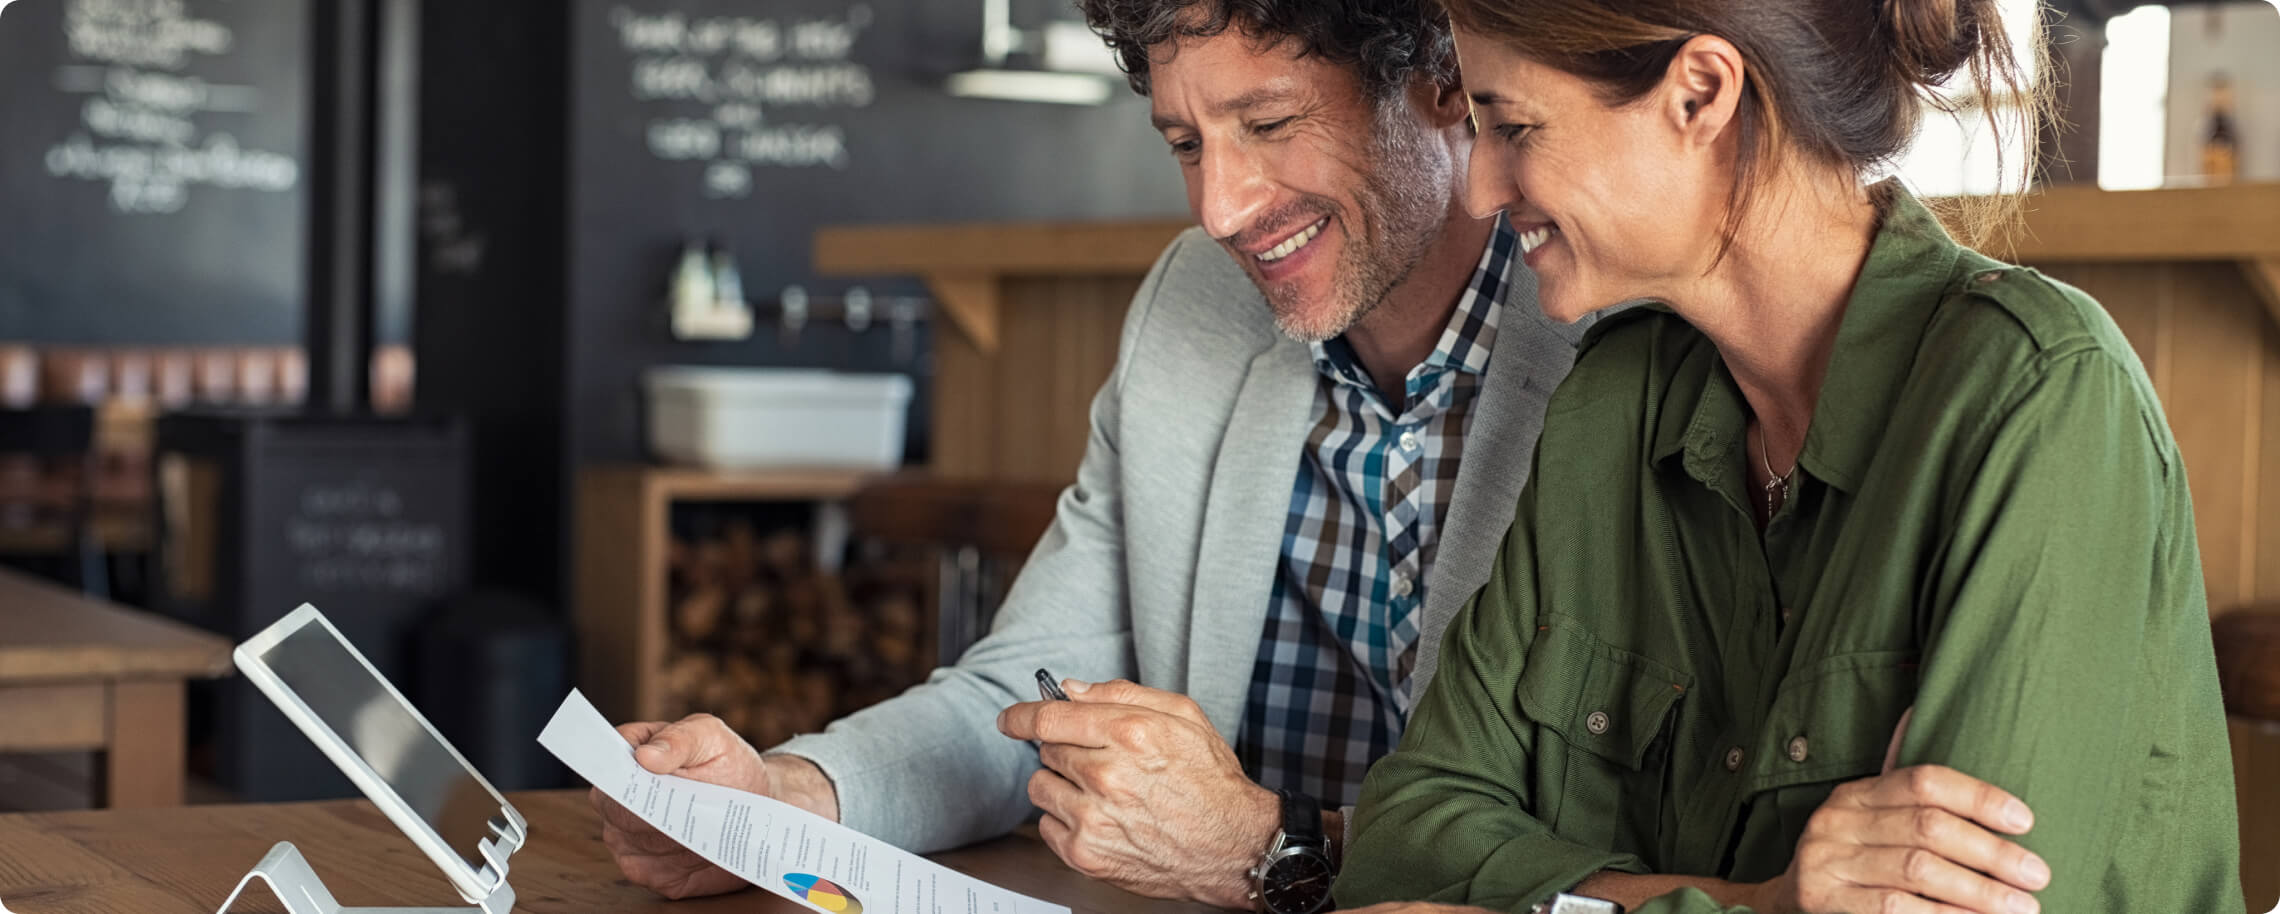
(1297, 883)
(1577, 904)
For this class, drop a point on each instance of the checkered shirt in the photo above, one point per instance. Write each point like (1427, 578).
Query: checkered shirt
(1331, 688)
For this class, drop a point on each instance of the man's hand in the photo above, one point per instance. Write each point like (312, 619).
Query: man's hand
(701, 748)
(1916, 839)
(1139, 791)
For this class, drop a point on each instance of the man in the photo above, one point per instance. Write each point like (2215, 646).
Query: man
(1323, 410)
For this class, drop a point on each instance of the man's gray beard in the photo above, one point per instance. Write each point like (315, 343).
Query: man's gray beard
(1399, 214)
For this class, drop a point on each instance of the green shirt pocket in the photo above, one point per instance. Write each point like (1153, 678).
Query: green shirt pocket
(1603, 717)
(1831, 722)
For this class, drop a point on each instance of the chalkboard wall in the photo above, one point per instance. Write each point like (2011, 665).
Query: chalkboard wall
(151, 170)
(759, 122)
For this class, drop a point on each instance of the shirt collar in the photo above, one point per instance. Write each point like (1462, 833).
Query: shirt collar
(1471, 332)
(1910, 267)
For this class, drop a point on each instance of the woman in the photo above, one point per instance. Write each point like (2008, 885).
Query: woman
(1860, 575)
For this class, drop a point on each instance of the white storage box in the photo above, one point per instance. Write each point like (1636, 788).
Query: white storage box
(747, 418)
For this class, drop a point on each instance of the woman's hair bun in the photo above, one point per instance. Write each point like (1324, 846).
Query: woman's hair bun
(1932, 39)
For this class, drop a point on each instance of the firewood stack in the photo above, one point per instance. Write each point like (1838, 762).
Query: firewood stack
(775, 646)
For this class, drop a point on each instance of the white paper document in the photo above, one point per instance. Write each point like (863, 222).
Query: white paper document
(769, 843)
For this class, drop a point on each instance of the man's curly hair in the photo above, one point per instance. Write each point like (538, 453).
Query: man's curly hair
(1386, 42)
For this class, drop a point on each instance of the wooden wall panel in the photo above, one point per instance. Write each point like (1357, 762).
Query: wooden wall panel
(965, 422)
(2136, 295)
(1085, 310)
(614, 599)
(1086, 358)
(2268, 486)
(2213, 402)
(2209, 346)
(1022, 377)
(2214, 354)
(1057, 344)
(2256, 760)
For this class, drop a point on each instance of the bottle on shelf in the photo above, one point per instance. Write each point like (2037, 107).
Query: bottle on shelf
(2220, 140)
(708, 295)
(728, 284)
(692, 285)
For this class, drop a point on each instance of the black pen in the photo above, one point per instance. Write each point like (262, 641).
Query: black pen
(1049, 688)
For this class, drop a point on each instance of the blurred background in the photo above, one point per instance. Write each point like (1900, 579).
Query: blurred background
(727, 355)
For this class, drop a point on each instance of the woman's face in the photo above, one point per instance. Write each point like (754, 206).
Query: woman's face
(1612, 204)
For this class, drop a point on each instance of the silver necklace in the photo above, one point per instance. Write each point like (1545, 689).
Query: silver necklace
(1776, 484)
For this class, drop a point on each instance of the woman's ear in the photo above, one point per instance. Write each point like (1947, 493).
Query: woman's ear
(1702, 89)
(1444, 101)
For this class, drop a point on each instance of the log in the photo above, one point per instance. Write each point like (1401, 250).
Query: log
(752, 607)
(697, 615)
(740, 553)
(785, 554)
(774, 646)
(745, 676)
(686, 677)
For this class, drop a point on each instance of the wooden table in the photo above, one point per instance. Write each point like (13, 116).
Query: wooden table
(79, 674)
(186, 860)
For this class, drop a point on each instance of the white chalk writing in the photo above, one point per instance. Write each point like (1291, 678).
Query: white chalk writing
(358, 535)
(140, 126)
(739, 93)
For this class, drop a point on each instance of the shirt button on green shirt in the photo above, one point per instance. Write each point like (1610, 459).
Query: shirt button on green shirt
(1989, 524)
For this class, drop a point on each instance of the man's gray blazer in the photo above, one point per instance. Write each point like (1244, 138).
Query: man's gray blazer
(1158, 564)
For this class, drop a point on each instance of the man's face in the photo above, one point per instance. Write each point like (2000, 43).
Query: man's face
(1325, 198)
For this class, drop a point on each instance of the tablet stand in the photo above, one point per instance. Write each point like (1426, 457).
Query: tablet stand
(299, 889)
(312, 648)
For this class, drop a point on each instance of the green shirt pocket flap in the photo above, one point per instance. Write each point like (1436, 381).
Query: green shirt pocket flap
(1835, 719)
(1601, 699)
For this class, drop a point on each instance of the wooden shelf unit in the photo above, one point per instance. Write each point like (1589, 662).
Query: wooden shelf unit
(624, 516)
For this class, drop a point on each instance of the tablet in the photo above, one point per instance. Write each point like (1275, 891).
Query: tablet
(423, 785)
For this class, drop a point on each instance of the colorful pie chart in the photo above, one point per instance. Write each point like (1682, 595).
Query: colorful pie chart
(823, 893)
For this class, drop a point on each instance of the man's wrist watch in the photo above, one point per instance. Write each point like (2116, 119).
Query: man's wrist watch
(1564, 903)
(1294, 875)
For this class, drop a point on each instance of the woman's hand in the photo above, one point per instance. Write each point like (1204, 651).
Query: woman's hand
(1922, 839)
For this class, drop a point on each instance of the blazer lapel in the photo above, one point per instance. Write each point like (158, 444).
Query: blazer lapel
(1244, 516)
(1532, 356)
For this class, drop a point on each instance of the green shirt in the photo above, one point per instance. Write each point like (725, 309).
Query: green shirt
(1990, 523)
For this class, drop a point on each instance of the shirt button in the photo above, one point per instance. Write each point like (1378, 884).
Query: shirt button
(1409, 441)
(1401, 585)
(1799, 749)
(1734, 759)
(1596, 723)
(1990, 276)
(1786, 614)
